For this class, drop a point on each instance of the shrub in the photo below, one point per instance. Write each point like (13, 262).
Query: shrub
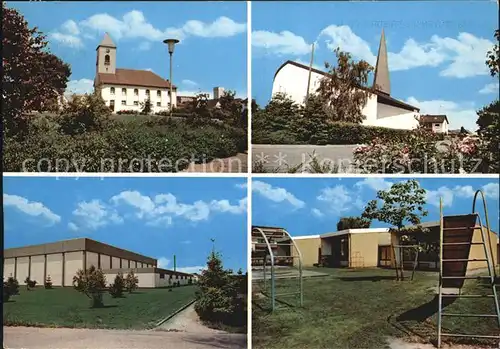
(29, 283)
(131, 112)
(353, 223)
(92, 283)
(190, 281)
(131, 282)
(117, 287)
(48, 283)
(83, 114)
(10, 288)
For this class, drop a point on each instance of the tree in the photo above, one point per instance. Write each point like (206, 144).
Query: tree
(10, 287)
(31, 74)
(353, 223)
(493, 56)
(146, 107)
(117, 287)
(218, 299)
(230, 110)
(92, 283)
(402, 204)
(131, 282)
(311, 125)
(85, 113)
(345, 89)
(48, 283)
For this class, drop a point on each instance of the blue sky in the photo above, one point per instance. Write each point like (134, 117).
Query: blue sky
(212, 52)
(436, 48)
(156, 217)
(310, 206)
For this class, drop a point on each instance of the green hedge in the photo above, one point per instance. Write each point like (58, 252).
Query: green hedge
(335, 133)
(130, 145)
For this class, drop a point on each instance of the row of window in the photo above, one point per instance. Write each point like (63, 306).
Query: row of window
(136, 92)
(183, 277)
(136, 103)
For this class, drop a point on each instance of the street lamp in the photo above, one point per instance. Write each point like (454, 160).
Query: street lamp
(171, 45)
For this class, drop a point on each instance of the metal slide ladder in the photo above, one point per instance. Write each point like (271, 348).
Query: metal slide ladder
(258, 232)
(457, 277)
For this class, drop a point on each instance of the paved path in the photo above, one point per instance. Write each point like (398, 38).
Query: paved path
(283, 156)
(184, 331)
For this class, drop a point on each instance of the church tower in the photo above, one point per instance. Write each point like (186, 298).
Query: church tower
(381, 80)
(106, 56)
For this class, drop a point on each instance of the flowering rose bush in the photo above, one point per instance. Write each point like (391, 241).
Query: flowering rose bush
(418, 154)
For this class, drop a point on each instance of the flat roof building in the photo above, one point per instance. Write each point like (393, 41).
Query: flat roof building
(61, 260)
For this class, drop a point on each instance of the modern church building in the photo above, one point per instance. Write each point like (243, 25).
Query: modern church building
(381, 109)
(61, 260)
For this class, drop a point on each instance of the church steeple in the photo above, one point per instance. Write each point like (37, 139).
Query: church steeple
(106, 56)
(381, 80)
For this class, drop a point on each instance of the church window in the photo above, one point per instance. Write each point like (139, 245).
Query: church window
(124, 91)
(147, 92)
(107, 60)
(136, 92)
(124, 102)
(136, 102)
(112, 90)
(158, 104)
(158, 93)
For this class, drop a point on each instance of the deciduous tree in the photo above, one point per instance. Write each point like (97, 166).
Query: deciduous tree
(353, 223)
(31, 74)
(92, 283)
(345, 89)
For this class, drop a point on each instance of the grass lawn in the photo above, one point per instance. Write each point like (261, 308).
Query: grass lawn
(65, 307)
(362, 309)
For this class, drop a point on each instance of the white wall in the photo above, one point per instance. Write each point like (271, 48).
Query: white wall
(8, 267)
(393, 117)
(292, 81)
(440, 127)
(37, 269)
(130, 97)
(73, 261)
(22, 269)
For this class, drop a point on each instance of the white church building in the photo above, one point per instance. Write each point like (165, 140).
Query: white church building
(128, 89)
(381, 109)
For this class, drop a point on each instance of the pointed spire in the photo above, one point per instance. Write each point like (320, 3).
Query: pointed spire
(106, 41)
(381, 80)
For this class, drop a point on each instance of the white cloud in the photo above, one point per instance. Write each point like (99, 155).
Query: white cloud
(94, 214)
(461, 57)
(186, 242)
(134, 25)
(343, 37)
(283, 43)
(163, 262)
(459, 114)
(79, 87)
(69, 40)
(339, 199)
(161, 209)
(375, 183)
(276, 194)
(189, 83)
(72, 226)
(317, 212)
(31, 208)
(433, 196)
(491, 191)
(191, 270)
(221, 27)
(490, 88)
(70, 27)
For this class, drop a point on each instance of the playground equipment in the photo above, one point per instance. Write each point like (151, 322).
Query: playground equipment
(399, 259)
(455, 241)
(276, 240)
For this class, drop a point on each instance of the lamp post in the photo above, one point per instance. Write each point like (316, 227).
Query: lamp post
(171, 45)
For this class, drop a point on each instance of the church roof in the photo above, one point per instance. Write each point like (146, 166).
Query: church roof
(433, 118)
(107, 42)
(381, 80)
(132, 77)
(383, 98)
